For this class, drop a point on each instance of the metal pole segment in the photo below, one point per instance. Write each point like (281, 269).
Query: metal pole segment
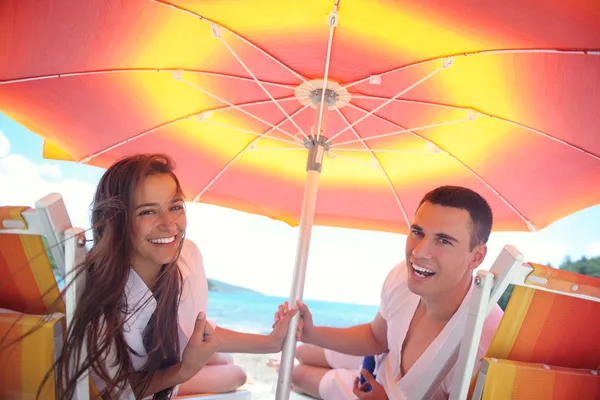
(316, 151)
(306, 221)
(74, 284)
(477, 313)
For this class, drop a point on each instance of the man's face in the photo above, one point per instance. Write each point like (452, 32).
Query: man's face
(438, 254)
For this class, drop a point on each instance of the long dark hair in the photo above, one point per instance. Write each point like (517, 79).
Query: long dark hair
(101, 310)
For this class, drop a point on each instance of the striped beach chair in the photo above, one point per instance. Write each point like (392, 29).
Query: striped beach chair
(546, 346)
(33, 248)
(505, 379)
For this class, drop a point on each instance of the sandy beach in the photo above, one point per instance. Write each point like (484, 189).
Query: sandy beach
(262, 379)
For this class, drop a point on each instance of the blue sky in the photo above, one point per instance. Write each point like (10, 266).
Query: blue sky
(256, 252)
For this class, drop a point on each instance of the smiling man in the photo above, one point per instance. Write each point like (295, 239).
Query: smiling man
(420, 296)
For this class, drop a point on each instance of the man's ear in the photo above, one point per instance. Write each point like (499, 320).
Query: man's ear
(479, 254)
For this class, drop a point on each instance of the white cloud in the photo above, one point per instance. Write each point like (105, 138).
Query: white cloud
(50, 171)
(4, 145)
(534, 247)
(593, 249)
(24, 182)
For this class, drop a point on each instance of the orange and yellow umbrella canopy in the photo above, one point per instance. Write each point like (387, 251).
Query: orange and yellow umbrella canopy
(501, 97)
(380, 100)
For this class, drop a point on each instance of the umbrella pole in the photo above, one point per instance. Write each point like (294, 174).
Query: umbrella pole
(316, 149)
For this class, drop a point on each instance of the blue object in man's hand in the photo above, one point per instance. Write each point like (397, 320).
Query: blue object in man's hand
(369, 365)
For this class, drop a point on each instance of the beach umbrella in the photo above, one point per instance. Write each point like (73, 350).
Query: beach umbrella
(262, 104)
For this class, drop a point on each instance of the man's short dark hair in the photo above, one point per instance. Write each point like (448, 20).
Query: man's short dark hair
(465, 199)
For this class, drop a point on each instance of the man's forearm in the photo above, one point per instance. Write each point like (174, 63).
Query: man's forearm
(237, 342)
(357, 340)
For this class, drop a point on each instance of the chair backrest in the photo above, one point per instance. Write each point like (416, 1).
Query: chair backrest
(27, 281)
(552, 328)
(32, 241)
(29, 346)
(551, 319)
(505, 379)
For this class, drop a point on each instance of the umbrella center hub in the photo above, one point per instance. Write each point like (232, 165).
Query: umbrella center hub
(311, 93)
(312, 142)
(330, 96)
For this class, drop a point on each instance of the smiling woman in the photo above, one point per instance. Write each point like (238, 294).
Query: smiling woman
(159, 222)
(141, 316)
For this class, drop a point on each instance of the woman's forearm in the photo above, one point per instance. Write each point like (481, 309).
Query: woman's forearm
(238, 342)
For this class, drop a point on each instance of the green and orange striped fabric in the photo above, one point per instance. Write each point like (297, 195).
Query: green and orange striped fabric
(27, 351)
(563, 281)
(27, 283)
(540, 327)
(513, 380)
(549, 328)
(28, 289)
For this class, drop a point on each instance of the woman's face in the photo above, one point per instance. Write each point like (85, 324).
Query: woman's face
(159, 221)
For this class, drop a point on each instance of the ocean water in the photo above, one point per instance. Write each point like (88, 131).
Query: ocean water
(253, 313)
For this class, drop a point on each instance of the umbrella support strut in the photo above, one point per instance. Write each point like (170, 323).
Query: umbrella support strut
(316, 150)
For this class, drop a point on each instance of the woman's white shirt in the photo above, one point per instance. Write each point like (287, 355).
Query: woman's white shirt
(141, 305)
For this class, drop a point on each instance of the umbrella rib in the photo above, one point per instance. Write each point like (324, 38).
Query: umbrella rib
(237, 108)
(235, 128)
(88, 158)
(128, 70)
(385, 174)
(473, 53)
(547, 136)
(250, 103)
(247, 147)
(527, 222)
(278, 149)
(164, 125)
(530, 226)
(420, 128)
(244, 78)
(243, 64)
(404, 91)
(505, 120)
(271, 57)
(398, 151)
(248, 42)
(332, 22)
(411, 101)
(333, 154)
